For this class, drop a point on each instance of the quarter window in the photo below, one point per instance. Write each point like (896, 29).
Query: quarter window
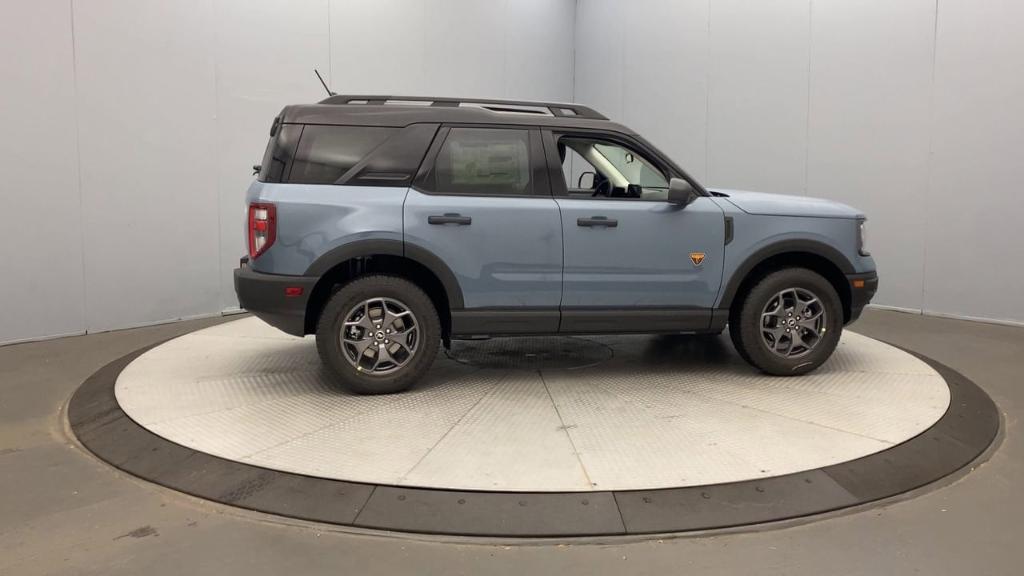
(484, 161)
(326, 153)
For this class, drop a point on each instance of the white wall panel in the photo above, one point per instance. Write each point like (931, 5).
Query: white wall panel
(146, 103)
(869, 127)
(599, 70)
(665, 78)
(380, 47)
(539, 49)
(265, 55)
(465, 47)
(855, 101)
(164, 106)
(518, 49)
(645, 64)
(173, 102)
(757, 113)
(975, 252)
(41, 234)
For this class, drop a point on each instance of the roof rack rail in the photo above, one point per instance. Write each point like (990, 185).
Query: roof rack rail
(513, 106)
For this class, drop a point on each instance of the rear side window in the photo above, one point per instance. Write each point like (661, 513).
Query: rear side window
(326, 153)
(484, 161)
(394, 163)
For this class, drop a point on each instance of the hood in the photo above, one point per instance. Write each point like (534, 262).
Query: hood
(785, 205)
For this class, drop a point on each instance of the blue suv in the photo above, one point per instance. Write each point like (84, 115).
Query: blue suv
(389, 225)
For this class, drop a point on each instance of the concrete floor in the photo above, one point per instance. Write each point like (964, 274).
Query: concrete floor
(63, 511)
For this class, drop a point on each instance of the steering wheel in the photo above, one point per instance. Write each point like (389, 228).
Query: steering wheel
(603, 187)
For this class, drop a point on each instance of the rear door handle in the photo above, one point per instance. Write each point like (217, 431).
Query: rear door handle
(450, 218)
(597, 221)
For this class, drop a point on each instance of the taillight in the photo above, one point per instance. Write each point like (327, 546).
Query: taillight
(262, 228)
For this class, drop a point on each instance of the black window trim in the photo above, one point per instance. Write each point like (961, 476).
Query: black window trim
(540, 180)
(556, 175)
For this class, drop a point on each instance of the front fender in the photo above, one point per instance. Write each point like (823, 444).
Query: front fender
(744, 254)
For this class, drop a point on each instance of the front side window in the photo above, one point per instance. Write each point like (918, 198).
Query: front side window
(484, 161)
(604, 169)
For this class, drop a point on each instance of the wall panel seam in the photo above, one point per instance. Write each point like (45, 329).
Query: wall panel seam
(218, 154)
(84, 319)
(807, 106)
(707, 104)
(929, 164)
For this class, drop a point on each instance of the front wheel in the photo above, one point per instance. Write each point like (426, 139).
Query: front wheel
(378, 334)
(789, 323)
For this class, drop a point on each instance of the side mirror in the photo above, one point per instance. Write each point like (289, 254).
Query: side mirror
(681, 192)
(588, 178)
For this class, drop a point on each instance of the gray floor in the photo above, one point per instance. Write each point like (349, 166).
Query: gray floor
(62, 511)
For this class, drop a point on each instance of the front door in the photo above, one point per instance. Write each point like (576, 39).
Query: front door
(482, 204)
(633, 261)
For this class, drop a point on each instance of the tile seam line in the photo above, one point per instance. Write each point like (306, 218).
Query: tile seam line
(403, 477)
(746, 407)
(362, 507)
(565, 430)
(307, 434)
(809, 422)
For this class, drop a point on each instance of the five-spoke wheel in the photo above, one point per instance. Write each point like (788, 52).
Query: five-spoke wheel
(793, 322)
(788, 322)
(378, 334)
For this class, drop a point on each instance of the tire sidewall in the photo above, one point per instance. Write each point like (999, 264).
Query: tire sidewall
(756, 351)
(328, 335)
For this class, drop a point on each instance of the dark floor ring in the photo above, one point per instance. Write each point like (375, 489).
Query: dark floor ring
(962, 434)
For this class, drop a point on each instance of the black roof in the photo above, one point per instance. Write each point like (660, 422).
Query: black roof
(400, 111)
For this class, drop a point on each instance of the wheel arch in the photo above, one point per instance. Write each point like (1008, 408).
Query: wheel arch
(827, 261)
(414, 263)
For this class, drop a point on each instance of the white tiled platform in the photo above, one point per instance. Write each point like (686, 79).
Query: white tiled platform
(626, 413)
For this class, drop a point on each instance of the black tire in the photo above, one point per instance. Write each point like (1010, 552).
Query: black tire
(745, 322)
(332, 318)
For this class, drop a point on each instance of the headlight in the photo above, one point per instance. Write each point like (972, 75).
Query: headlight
(862, 242)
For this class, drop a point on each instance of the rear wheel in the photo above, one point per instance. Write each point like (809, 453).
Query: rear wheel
(378, 334)
(789, 323)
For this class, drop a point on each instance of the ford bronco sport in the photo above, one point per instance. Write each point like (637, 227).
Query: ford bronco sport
(389, 225)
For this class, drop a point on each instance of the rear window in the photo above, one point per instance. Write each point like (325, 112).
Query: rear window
(326, 153)
(280, 152)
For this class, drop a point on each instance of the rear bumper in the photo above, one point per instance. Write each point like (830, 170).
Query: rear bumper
(277, 300)
(862, 290)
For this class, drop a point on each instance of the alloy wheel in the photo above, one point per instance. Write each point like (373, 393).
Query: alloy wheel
(793, 322)
(379, 336)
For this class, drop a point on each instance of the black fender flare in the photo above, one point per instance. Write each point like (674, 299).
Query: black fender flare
(782, 247)
(387, 247)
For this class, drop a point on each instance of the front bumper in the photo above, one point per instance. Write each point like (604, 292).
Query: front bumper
(277, 300)
(862, 289)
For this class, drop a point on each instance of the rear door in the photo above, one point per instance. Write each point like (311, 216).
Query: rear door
(482, 204)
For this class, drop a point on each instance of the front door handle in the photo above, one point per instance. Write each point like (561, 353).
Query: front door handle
(597, 221)
(450, 218)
